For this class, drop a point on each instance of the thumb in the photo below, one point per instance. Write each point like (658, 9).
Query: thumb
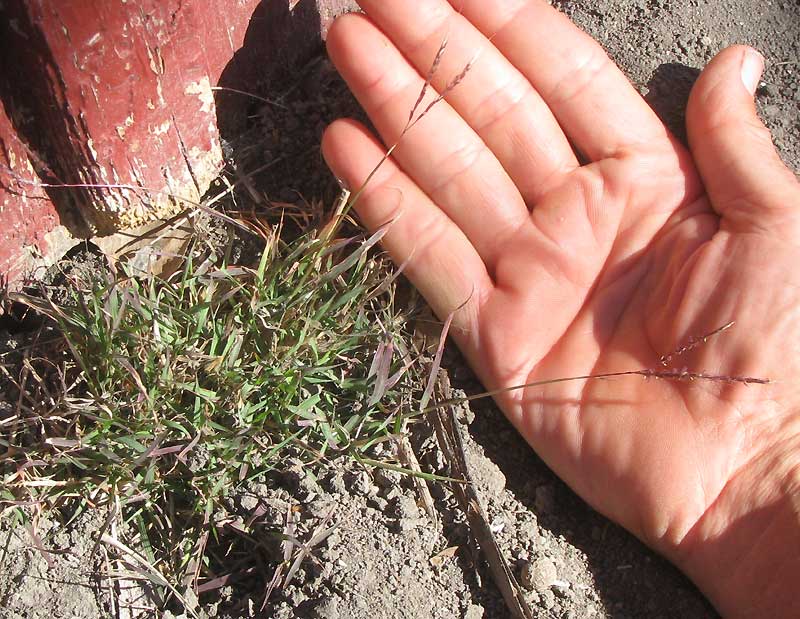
(748, 184)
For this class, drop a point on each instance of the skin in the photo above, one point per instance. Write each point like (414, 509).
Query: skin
(587, 239)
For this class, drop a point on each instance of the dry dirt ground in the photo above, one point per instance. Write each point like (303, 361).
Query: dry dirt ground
(386, 558)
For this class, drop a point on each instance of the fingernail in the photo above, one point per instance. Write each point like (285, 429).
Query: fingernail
(752, 68)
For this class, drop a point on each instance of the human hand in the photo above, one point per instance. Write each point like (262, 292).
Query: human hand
(577, 269)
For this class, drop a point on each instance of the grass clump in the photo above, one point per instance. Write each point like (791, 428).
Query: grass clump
(179, 388)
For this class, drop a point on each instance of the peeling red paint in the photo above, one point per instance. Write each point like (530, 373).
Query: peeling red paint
(119, 92)
(26, 212)
(132, 81)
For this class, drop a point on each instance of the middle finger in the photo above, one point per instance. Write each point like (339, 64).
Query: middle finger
(494, 98)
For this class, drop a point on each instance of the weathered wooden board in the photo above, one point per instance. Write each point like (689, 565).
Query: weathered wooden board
(110, 95)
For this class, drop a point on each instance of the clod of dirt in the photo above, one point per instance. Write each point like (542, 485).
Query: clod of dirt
(545, 499)
(328, 609)
(474, 612)
(539, 575)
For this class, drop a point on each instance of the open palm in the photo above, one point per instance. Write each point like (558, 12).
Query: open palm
(575, 268)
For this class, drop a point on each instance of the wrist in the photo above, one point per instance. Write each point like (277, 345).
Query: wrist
(744, 553)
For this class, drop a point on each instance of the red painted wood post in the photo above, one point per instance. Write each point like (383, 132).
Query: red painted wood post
(112, 94)
(26, 213)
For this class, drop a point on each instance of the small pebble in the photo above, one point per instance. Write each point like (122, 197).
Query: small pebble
(548, 599)
(378, 503)
(359, 483)
(327, 609)
(386, 478)
(249, 502)
(474, 612)
(770, 90)
(335, 484)
(544, 499)
(406, 507)
(539, 575)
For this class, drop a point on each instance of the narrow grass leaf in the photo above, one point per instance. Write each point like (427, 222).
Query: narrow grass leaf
(436, 364)
(353, 258)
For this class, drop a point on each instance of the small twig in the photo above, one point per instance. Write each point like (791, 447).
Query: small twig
(249, 94)
(451, 444)
(406, 455)
(115, 610)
